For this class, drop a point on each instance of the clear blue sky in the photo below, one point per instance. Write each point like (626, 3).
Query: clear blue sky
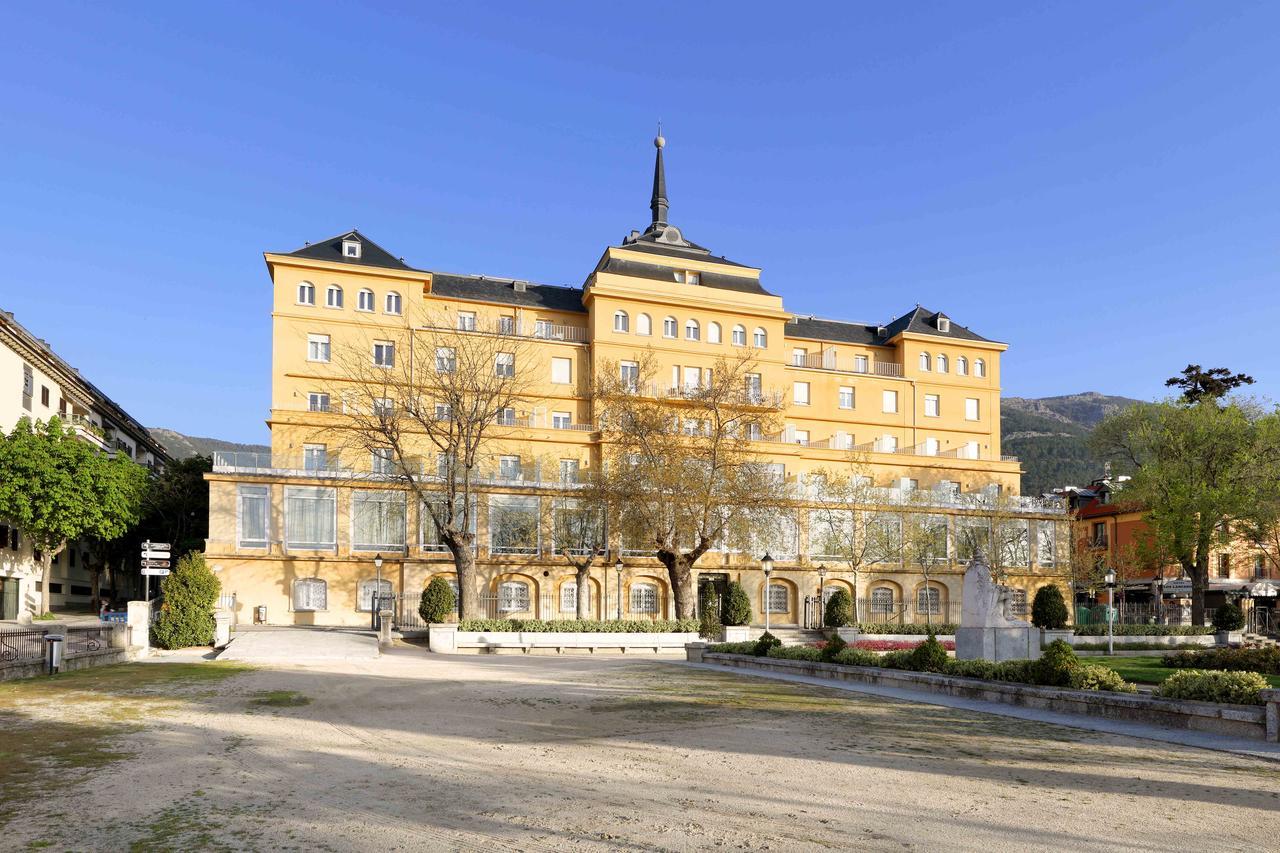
(1095, 184)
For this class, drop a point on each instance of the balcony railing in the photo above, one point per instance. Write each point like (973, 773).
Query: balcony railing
(359, 466)
(538, 329)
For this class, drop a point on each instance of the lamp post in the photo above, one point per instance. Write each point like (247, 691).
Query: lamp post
(1111, 611)
(374, 619)
(822, 602)
(766, 563)
(617, 567)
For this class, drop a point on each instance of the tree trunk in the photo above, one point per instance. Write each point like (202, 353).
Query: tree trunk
(1199, 572)
(46, 575)
(464, 563)
(680, 573)
(584, 591)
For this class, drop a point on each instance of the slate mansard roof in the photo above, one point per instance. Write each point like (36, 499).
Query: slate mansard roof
(918, 321)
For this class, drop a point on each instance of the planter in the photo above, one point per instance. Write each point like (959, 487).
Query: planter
(693, 651)
(448, 639)
(1048, 636)
(735, 633)
(849, 634)
(1154, 639)
(1229, 638)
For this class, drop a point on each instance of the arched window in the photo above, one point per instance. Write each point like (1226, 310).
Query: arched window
(882, 600)
(364, 300)
(778, 600)
(513, 597)
(942, 363)
(979, 368)
(925, 363)
(310, 594)
(621, 323)
(761, 340)
(306, 293)
(739, 336)
(644, 325)
(393, 303)
(692, 331)
(333, 296)
(365, 593)
(929, 600)
(644, 598)
(669, 327)
(962, 366)
(713, 333)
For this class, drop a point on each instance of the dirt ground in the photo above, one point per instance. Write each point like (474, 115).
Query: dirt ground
(415, 751)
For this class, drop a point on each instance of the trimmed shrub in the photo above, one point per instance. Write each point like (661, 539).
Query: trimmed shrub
(896, 660)
(984, 669)
(745, 648)
(438, 602)
(1121, 646)
(1054, 668)
(1265, 660)
(839, 610)
(929, 656)
(1018, 671)
(190, 594)
(1048, 609)
(808, 653)
(1232, 688)
(583, 626)
(857, 657)
(833, 647)
(1093, 677)
(709, 623)
(1228, 617)
(1142, 630)
(766, 642)
(905, 628)
(737, 606)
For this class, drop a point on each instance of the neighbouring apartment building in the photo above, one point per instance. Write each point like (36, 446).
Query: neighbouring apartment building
(918, 396)
(39, 385)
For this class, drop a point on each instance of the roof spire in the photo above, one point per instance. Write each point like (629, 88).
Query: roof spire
(658, 204)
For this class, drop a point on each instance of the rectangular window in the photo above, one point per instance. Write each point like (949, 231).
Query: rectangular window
(44, 396)
(755, 392)
(1046, 552)
(861, 364)
(890, 401)
(253, 502)
(504, 364)
(446, 360)
(1099, 534)
(317, 347)
(561, 371)
(384, 353)
(377, 521)
(444, 412)
(429, 536)
(560, 420)
(846, 398)
(971, 409)
(466, 321)
(28, 386)
(831, 535)
(802, 437)
(506, 325)
(506, 416)
(384, 407)
(569, 470)
(513, 524)
(1224, 565)
(509, 468)
(317, 402)
(578, 529)
(315, 457)
(800, 393)
(800, 357)
(310, 517)
(629, 373)
(1259, 565)
(1014, 542)
(931, 405)
(381, 461)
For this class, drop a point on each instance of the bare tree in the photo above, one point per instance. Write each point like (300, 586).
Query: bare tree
(680, 472)
(578, 525)
(924, 540)
(431, 409)
(842, 496)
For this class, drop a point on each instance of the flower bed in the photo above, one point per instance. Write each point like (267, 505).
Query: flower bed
(907, 628)
(897, 645)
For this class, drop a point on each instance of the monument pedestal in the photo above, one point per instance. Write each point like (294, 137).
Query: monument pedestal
(998, 644)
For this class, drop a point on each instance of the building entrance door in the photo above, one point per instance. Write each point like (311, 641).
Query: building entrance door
(9, 598)
(712, 589)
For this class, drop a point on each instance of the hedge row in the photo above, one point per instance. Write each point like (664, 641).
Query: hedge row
(583, 626)
(1234, 688)
(1236, 660)
(1143, 630)
(907, 628)
(1135, 647)
(1058, 667)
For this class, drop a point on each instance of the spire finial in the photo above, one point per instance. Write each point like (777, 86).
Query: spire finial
(658, 203)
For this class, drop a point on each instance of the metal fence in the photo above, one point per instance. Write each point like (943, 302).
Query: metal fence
(16, 646)
(1145, 613)
(27, 646)
(896, 612)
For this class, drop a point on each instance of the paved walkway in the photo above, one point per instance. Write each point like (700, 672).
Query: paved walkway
(1183, 737)
(300, 646)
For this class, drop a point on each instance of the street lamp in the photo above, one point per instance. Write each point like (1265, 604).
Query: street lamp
(766, 563)
(377, 593)
(822, 577)
(617, 567)
(1111, 611)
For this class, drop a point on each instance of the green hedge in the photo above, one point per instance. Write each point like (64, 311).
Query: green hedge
(1135, 647)
(897, 628)
(583, 626)
(1143, 630)
(1234, 688)
(1236, 660)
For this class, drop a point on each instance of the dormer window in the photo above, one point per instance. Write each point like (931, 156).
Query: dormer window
(351, 248)
(685, 277)
(944, 324)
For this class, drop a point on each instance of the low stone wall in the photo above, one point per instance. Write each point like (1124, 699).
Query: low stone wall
(84, 660)
(1154, 639)
(448, 639)
(1244, 721)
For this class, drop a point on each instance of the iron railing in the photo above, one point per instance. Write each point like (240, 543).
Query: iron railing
(545, 606)
(17, 646)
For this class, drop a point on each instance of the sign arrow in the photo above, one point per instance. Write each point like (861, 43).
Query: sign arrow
(155, 555)
(160, 572)
(155, 564)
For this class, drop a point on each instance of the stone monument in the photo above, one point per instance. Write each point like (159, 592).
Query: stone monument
(987, 630)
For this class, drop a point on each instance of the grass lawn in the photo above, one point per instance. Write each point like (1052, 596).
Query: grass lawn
(1147, 670)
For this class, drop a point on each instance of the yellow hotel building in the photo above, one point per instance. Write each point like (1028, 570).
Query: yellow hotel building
(296, 531)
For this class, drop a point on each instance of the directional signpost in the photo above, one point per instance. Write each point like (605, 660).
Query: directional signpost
(155, 561)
